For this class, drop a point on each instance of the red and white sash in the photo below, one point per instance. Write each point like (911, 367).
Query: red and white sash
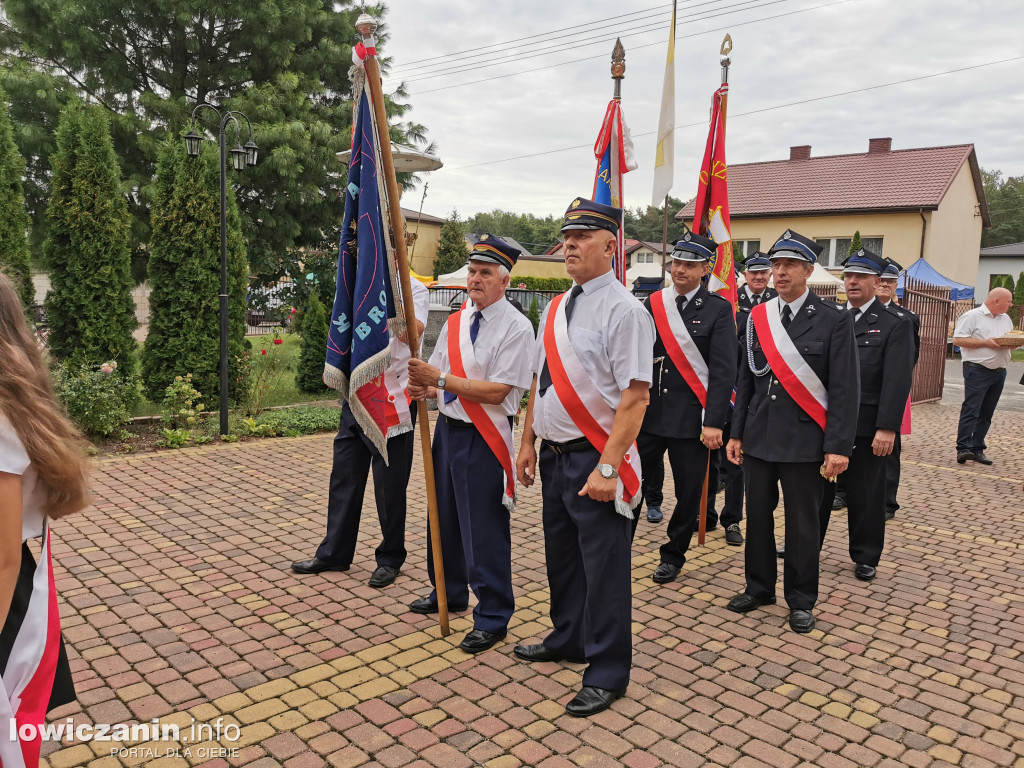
(679, 344)
(399, 416)
(788, 365)
(490, 420)
(28, 679)
(584, 403)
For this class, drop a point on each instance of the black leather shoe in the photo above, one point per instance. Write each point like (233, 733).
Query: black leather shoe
(962, 457)
(383, 576)
(654, 515)
(316, 565)
(839, 502)
(540, 652)
(981, 458)
(665, 573)
(478, 641)
(780, 553)
(864, 572)
(801, 621)
(733, 535)
(590, 701)
(427, 606)
(744, 603)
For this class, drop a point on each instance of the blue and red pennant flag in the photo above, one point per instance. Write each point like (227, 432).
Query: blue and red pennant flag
(614, 153)
(358, 340)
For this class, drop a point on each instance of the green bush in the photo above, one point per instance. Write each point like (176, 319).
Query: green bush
(184, 271)
(14, 258)
(182, 404)
(290, 422)
(267, 368)
(542, 283)
(97, 400)
(309, 377)
(90, 307)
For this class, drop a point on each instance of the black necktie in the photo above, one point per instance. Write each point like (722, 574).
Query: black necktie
(755, 299)
(787, 316)
(856, 313)
(474, 329)
(570, 305)
(680, 304)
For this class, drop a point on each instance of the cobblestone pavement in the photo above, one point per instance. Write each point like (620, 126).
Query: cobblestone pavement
(178, 605)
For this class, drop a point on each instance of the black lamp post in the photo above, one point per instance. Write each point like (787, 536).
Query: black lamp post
(240, 158)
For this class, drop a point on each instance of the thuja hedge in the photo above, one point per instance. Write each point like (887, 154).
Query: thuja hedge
(13, 218)
(184, 272)
(89, 307)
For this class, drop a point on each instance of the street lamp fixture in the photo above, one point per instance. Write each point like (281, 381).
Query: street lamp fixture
(240, 158)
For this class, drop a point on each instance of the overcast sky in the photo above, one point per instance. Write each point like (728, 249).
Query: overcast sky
(815, 52)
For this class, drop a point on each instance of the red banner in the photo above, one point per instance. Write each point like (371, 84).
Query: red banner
(711, 217)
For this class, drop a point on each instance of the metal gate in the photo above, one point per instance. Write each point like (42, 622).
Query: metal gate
(930, 303)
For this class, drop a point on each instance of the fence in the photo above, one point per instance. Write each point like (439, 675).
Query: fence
(932, 305)
(453, 297)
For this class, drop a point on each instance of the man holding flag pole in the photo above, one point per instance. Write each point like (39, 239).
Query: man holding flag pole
(374, 298)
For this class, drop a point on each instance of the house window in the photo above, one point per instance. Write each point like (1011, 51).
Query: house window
(996, 281)
(647, 258)
(836, 249)
(744, 248)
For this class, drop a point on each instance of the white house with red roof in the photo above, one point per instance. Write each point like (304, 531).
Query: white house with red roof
(907, 204)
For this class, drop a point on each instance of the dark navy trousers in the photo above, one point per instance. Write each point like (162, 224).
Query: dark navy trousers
(688, 458)
(865, 485)
(587, 550)
(354, 454)
(982, 388)
(732, 510)
(802, 487)
(892, 475)
(476, 542)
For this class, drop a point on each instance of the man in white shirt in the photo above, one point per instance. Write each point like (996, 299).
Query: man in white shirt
(478, 372)
(354, 455)
(595, 364)
(985, 364)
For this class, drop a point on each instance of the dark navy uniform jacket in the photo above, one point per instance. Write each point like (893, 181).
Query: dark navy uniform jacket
(772, 426)
(674, 410)
(885, 346)
(743, 304)
(915, 321)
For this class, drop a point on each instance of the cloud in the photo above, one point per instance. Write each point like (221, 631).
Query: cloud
(846, 46)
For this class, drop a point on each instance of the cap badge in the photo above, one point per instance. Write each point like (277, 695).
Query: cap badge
(576, 203)
(860, 252)
(687, 237)
(787, 234)
(483, 237)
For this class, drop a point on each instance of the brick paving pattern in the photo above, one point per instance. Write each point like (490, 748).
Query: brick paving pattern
(178, 605)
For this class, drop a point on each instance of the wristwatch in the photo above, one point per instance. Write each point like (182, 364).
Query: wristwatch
(441, 381)
(607, 471)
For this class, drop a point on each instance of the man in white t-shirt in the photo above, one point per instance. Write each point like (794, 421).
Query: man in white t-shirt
(985, 364)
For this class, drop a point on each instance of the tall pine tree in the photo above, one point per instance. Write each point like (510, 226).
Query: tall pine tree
(309, 377)
(184, 271)
(13, 220)
(89, 307)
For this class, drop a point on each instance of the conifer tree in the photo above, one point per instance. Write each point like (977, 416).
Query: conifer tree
(452, 251)
(89, 307)
(855, 244)
(310, 374)
(13, 219)
(184, 271)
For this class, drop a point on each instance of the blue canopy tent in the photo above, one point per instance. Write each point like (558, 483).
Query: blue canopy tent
(924, 272)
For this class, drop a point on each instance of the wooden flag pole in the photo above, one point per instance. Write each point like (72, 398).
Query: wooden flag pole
(366, 26)
(702, 518)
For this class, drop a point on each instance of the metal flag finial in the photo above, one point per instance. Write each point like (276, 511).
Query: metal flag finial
(726, 45)
(366, 25)
(618, 61)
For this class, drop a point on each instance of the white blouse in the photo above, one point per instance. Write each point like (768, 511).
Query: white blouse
(14, 461)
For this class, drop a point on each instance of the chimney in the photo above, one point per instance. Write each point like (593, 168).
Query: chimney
(876, 146)
(800, 153)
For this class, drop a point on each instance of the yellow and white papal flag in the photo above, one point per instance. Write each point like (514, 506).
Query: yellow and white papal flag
(665, 152)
